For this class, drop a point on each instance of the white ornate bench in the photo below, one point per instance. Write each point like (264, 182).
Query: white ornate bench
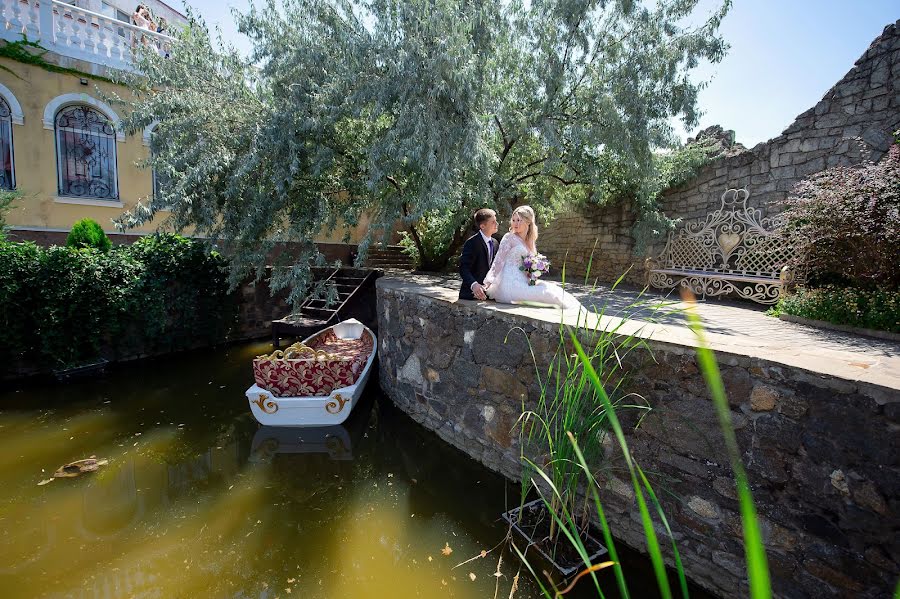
(732, 250)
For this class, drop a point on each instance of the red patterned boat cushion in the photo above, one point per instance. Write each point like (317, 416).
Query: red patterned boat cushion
(310, 377)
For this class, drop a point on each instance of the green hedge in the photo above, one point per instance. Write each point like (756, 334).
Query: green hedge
(868, 309)
(62, 306)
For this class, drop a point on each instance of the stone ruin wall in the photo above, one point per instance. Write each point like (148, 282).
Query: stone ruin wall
(822, 453)
(852, 123)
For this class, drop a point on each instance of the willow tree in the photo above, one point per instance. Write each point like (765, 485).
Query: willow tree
(412, 112)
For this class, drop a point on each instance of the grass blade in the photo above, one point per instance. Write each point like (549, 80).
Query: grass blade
(757, 564)
(659, 567)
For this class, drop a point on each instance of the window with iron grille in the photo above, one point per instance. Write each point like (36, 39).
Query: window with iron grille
(7, 166)
(86, 154)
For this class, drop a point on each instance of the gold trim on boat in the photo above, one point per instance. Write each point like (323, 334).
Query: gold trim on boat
(269, 407)
(336, 405)
(298, 351)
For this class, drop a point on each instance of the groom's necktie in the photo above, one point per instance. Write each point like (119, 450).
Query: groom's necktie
(490, 248)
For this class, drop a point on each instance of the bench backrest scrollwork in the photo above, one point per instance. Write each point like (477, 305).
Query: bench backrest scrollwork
(733, 239)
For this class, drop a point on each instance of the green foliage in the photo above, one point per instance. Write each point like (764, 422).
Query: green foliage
(670, 170)
(568, 404)
(81, 301)
(877, 309)
(409, 111)
(181, 299)
(846, 224)
(19, 292)
(6, 200)
(64, 306)
(646, 497)
(87, 233)
(19, 52)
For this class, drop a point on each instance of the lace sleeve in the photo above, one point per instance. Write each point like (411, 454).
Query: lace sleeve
(496, 270)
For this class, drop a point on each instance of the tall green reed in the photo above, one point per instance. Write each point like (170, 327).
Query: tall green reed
(569, 404)
(570, 452)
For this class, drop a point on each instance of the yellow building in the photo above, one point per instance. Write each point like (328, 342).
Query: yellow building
(60, 144)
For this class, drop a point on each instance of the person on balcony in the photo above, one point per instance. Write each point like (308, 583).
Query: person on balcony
(141, 18)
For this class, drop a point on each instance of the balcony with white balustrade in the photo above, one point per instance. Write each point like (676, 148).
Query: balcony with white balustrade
(77, 32)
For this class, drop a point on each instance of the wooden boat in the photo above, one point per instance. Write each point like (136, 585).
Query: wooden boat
(316, 382)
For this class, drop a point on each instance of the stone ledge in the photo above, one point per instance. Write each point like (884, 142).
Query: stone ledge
(876, 374)
(821, 452)
(823, 324)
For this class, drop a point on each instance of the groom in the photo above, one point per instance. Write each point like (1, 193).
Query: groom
(477, 254)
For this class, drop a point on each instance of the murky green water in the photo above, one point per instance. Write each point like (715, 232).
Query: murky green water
(199, 501)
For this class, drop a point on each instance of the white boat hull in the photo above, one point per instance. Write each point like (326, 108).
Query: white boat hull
(328, 410)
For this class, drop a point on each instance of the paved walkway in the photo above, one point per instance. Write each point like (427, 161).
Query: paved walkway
(733, 327)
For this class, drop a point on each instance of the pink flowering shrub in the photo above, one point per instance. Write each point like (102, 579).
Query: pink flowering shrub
(846, 221)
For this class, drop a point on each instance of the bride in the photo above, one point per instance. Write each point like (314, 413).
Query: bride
(505, 282)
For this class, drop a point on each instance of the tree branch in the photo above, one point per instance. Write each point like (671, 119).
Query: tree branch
(412, 228)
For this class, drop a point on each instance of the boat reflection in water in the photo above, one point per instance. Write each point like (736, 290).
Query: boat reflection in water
(336, 440)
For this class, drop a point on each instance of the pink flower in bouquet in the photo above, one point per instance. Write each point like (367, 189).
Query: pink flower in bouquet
(534, 266)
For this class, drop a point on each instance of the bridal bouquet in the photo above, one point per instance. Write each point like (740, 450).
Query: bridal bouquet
(534, 266)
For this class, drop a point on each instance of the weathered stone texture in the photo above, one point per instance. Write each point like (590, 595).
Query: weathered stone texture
(852, 123)
(822, 454)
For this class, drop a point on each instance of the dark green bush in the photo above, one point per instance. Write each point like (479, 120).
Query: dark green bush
(82, 297)
(19, 287)
(62, 306)
(182, 298)
(87, 233)
(846, 225)
(6, 199)
(869, 309)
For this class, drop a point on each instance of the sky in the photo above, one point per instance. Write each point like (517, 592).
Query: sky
(785, 55)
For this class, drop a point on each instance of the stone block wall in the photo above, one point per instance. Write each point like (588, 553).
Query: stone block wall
(257, 308)
(823, 454)
(852, 123)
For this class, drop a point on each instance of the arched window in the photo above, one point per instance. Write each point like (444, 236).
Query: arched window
(7, 165)
(86, 154)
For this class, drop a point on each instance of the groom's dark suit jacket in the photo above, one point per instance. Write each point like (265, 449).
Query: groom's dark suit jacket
(474, 263)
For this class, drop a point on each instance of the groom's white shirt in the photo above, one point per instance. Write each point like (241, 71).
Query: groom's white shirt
(487, 242)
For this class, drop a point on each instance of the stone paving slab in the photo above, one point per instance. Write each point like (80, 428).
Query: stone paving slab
(733, 329)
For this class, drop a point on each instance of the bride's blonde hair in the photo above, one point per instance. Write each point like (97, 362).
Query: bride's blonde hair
(526, 213)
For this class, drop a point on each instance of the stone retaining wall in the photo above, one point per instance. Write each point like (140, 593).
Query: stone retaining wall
(852, 123)
(823, 454)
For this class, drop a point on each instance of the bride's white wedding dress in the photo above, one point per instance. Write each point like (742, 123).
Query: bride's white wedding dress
(506, 283)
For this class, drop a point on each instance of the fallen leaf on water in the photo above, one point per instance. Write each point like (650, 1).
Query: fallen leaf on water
(446, 550)
(443, 582)
(288, 590)
(430, 558)
(291, 580)
(45, 481)
(483, 553)
(472, 576)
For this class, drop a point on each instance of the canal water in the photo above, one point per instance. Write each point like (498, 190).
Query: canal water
(198, 501)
